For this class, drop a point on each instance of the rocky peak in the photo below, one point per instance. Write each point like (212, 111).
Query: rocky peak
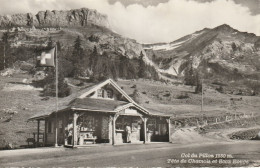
(224, 28)
(69, 18)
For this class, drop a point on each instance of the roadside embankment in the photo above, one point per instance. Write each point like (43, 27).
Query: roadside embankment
(241, 123)
(251, 134)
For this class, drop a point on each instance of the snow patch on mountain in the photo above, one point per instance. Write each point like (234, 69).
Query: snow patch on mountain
(172, 45)
(167, 46)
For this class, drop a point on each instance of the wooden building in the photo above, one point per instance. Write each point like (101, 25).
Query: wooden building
(100, 115)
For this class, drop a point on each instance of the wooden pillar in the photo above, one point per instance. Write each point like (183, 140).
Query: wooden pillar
(55, 131)
(75, 136)
(63, 129)
(45, 132)
(145, 130)
(169, 128)
(38, 132)
(110, 129)
(114, 130)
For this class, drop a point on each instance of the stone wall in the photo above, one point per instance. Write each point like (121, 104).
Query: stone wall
(105, 127)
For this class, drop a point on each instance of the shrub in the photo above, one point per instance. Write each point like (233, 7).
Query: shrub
(253, 85)
(167, 95)
(93, 38)
(183, 96)
(49, 86)
(198, 88)
(220, 89)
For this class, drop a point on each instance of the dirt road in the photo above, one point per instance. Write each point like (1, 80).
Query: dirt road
(244, 153)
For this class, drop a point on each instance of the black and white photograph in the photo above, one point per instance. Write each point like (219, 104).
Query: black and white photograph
(129, 83)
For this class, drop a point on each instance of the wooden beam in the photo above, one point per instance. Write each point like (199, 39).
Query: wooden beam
(145, 131)
(169, 128)
(114, 129)
(75, 136)
(45, 131)
(110, 129)
(55, 131)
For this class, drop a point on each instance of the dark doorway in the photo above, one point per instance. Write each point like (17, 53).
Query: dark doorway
(142, 132)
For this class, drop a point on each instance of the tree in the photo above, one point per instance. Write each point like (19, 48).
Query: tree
(189, 76)
(234, 46)
(49, 86)
(50, 43)
(123, 66)
(5, 38)
(93, 58)
(77, 57)
(198, 83)
(77, 53)
(154, 57)
(141, 72)
(236, 75)
(77, 44)
(58, 46)
(135, 95)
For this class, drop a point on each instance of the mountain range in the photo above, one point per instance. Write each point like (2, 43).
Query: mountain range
(220, 55)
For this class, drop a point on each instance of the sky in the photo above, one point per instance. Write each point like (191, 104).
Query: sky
(153, 21)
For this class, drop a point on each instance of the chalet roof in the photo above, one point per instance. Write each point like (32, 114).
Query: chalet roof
(104, 105)
(79, 100)
(62, 105)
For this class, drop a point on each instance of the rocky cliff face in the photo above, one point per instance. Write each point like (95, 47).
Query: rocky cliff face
(71, 18)
(222, 46)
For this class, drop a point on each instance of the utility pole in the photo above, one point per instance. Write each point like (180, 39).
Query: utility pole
(4, 56)
(57, 98)
(202, 95)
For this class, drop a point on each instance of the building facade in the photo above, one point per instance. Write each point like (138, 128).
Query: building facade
(103, 114)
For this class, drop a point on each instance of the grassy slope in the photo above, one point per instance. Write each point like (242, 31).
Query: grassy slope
(162, 97)
(26, 103)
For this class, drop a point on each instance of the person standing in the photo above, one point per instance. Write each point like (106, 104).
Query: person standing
(128, 134)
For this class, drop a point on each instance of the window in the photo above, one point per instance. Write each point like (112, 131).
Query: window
(60, 126)
(120, 125)
(100, 93)
(109, 94)
(88, 123)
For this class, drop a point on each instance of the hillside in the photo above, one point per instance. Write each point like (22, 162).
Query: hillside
(159, 97)
(222, 43)
(101, 53)
(218, 54)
